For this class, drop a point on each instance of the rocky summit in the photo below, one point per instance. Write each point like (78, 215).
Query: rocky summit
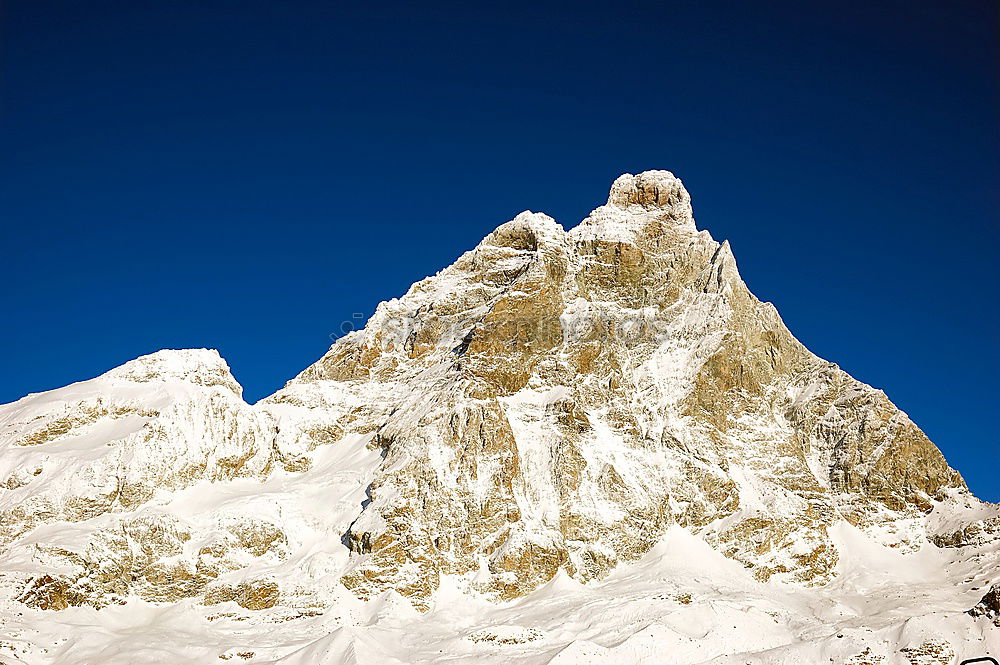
(581, 446)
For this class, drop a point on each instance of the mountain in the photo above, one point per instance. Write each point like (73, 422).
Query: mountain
(569, 447)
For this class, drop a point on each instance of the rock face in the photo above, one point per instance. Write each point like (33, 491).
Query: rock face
(553, 401)
(989, 606)
(556, 400)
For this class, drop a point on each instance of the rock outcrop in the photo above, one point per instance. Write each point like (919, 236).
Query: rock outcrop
(989, 606)
(556, 400)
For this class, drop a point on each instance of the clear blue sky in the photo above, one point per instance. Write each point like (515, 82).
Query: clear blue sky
(246, 175)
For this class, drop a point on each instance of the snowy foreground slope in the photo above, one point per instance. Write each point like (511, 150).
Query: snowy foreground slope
(593, 446)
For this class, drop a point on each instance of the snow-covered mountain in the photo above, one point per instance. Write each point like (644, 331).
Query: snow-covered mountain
(584, 446)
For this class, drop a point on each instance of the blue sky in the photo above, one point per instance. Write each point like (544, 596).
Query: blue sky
(247, 175)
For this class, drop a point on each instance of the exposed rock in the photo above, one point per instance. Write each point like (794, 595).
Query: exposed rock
(556, 400)
(989, 606)
(252, 595)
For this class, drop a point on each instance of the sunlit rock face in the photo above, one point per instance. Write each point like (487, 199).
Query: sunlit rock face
(557, 400)
(553, 401)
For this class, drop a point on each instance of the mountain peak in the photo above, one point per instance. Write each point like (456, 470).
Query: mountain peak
(553, 406)
(649, 189)
(197, 366)
(526, 231)
(652, 205)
